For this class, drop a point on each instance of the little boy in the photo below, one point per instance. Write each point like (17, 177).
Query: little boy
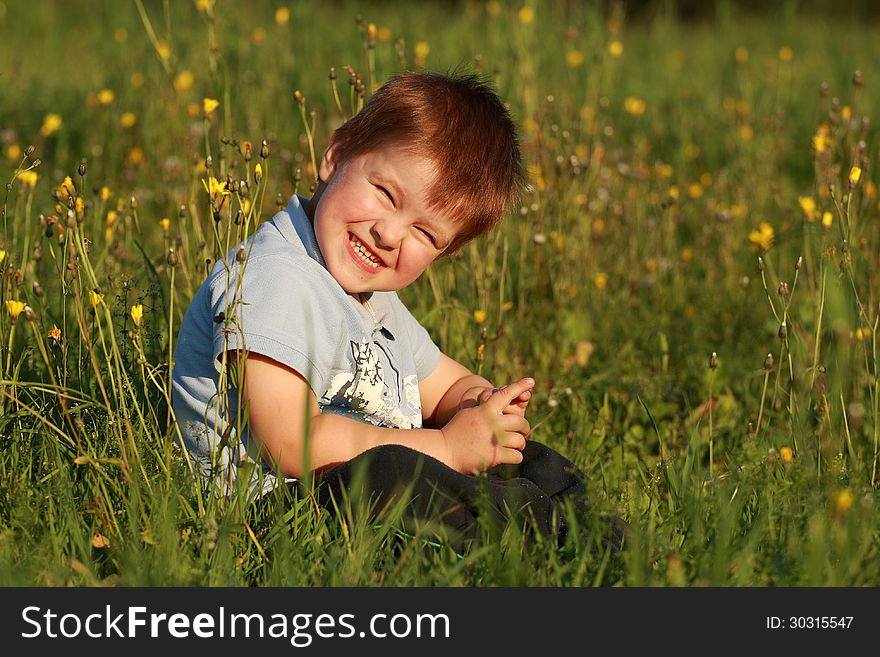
(338, 375)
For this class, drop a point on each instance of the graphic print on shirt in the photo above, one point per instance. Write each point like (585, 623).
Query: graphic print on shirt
(374, 392)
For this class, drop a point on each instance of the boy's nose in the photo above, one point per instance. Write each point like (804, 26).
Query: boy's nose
(389, 233)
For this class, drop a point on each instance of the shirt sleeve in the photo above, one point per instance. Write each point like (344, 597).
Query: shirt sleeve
(426, 354)
(271, 305)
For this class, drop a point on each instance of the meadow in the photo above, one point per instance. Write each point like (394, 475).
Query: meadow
(691, 278)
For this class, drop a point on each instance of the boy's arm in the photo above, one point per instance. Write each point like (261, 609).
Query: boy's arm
(281, 409)
(451, 387)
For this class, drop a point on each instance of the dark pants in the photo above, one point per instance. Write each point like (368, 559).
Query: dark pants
(438, 502)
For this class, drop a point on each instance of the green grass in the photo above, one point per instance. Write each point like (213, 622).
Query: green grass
(628, 264)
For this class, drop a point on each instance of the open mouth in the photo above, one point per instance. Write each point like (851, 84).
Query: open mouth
(368, 260)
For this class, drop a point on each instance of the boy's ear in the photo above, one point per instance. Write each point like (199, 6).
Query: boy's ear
(328, 164)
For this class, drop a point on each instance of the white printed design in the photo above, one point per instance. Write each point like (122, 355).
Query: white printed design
(375, 392)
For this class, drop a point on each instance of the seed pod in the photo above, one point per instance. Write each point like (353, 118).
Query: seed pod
(181, 213)
(172, 259)
(209, 162)
(783, 331)
(299, 98)
(239, 218)
(29, 150)
(783, 290)
(240, 253)
(713, 361)
(823, 90)
(332, 72)
(761, 265)
(857, 79)
(37, 163)
(38, 289)
(83, 167)
(29, 314)
(799, 263)
(264, 149)
(768, 362)
(133, 203)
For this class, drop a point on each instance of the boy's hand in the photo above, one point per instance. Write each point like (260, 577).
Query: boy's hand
(484, 435)
(481, 394)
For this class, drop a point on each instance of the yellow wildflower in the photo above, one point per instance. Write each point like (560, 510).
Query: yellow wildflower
(106, 97)
(95, 298)
(54, 333)
(246, 206)
(843, 500)
(742, 55)
(822, 140)
(137, 313)
(687, 254)
(137, 79)
(13, 152)
(615, 49)
(526, 15)
(846, 113)
(598, 225)
(634, 105)
(209, 105)
(808, 205)
(384, 34)
(106, 193)
(29, 178)
(282, 15)
(421, 50)
(860, 334)
(855, 174)
(827, 219)
(258, 36)
(786, 454)
(67, 188)
(51, 124)
(479, 316)
(258, 173)
(120, 35)
(507, 305)
(695, 190)
(762, 237)
(165, 222)
(215, 188)
(164, 50)
(786, 54)
(14, 308)
(746, 132)
(2, 255)
(135, 156)
(183, 81)
(109, 222)
(600, 279)
(574, 58)
(493, 8)
(673, 192)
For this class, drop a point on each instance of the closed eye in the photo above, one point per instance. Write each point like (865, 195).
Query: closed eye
(428, 235)
(387, 194)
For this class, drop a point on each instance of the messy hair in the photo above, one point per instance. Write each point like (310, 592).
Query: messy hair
(458, 122)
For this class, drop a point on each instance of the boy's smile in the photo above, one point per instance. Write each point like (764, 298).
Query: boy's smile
(373, 223)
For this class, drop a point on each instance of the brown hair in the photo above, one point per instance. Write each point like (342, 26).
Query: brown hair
(458, 122)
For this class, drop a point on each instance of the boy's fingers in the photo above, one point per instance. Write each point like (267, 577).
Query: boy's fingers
(504, 396)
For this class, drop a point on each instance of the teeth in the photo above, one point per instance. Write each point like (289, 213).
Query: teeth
(366, 256)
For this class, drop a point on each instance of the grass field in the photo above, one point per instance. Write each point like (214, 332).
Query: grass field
(691, 279)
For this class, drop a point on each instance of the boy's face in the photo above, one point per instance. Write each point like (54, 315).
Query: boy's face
(372, 220)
